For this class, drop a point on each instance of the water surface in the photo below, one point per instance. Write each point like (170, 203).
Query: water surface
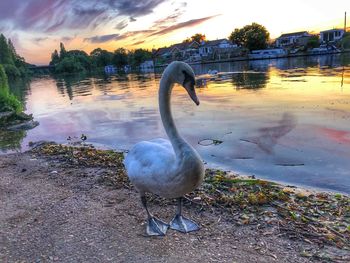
(285, 120)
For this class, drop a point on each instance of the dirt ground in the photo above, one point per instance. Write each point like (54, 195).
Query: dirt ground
(50, 212)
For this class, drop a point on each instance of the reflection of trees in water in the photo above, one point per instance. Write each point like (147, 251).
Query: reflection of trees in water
(20, 87)
(246, 80)
(11, 140)
(73, 84)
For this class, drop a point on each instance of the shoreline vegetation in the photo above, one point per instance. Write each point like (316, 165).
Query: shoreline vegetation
(315, 216)
(12, 66)
(12, 116)
(251, 42)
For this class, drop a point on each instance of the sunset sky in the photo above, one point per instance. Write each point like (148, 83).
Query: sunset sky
(37, 26)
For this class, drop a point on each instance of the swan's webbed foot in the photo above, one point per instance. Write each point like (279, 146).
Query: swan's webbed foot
(156, 227)
(183, 224)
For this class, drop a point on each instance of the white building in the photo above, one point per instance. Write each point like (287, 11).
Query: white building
(331, 35)
(267, 53)
(148, 64)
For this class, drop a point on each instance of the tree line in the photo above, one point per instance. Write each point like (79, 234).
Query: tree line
(13, 64)
(77, 60)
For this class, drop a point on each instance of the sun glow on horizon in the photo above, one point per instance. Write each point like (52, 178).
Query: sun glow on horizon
(153, 24)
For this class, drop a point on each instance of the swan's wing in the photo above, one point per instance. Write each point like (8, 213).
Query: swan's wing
(150, 160)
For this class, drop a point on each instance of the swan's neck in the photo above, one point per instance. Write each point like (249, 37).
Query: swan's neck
(166, 86)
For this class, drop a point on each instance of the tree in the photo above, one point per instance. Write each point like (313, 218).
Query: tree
(55, 58)
(63, 51)
(345, 42)
(196, 37)
(138, 56)
(101, 57)
(313, 42)
(252, 36)
(5, 53)
(120, 57)
(13, 64)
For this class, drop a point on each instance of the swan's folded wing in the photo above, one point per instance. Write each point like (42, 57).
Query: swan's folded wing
(150, 159)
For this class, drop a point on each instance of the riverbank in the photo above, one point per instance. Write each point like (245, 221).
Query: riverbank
(63, 203)
(247, 58)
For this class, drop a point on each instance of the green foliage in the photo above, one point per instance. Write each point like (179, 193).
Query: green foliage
(54, 58)
(313, 42)
(120, 57)
(252, 36)
(138, 56)
(345, 42)
(72, 61)
(78, 61)
(196, 37)
(101, 57)
(63, 51)
(69, 65)
(8, 102)
(5, 53)
(14, 65)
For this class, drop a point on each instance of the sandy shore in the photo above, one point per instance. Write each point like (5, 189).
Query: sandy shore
(53, 210)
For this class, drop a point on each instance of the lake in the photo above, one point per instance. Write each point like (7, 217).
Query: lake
(286, 120)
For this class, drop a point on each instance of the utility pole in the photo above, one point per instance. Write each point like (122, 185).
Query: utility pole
(345, 23)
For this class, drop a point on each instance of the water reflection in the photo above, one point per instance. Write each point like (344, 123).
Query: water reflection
(286, 120)
(11, 140)
(246, 80)
(268, 137)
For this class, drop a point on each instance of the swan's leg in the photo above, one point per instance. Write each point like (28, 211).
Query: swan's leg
(181, 223)
(155, 226)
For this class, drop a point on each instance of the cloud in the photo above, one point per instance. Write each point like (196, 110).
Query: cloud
(135, 8)
(40, 39)
(116, 37)
(189, 23)
(121, 25)
(67, 39)
(54, 15)
(103, 38)
(138, 43)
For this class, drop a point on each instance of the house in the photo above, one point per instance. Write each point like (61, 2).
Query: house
(293, 39)
(331, 35)
(147, 65)
(110, 69)
(181, 51)
(209, 47)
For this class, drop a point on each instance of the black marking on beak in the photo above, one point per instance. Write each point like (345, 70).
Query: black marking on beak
(189, 84)
(189, 80)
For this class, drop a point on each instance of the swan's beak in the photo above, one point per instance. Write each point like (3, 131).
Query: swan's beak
(189, 86)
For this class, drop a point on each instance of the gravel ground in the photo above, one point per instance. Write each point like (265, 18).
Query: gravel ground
(50, 212)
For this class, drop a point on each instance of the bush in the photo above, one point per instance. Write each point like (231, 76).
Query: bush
(8, 102)
(345, 42)
(69, 65)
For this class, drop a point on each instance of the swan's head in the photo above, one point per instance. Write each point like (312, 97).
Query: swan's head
(183, 74)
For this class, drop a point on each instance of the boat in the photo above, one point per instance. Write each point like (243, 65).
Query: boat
(267, 53)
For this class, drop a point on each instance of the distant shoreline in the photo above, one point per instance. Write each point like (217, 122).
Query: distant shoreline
(238, 59)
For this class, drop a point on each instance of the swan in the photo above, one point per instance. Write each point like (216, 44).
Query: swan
(169, 169)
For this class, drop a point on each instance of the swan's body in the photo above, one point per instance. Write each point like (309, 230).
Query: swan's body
(167, 168)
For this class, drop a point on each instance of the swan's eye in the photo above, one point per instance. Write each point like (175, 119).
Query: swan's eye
(188, 79)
